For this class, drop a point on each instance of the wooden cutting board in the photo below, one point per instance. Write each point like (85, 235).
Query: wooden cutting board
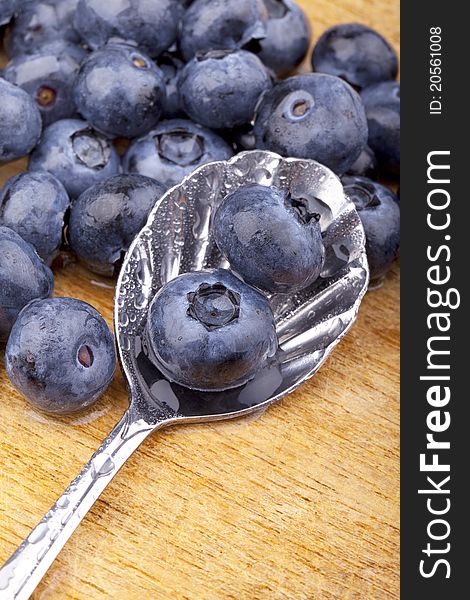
(301, 502)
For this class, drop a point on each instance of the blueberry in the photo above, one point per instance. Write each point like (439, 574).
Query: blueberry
(60, 354)
(387, 92)
(269, 238)
(382, 104)
(48, 76)
(379, 211)
(107, 216)
(313, 116)
(23, 277)
(208, 330)
(173, 150)
(34, 205)
(7, 10)
(171, 66)
(20, 122)
(221, 24)
(40, 22)
(120, 91)
(356, 53)
(287, 37)
(221, 88)
(153, 25)
(76, 154)
(365, 165)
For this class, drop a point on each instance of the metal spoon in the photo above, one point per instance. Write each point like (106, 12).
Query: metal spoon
(176, 239)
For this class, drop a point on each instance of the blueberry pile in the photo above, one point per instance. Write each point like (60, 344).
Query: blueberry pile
(114, 103)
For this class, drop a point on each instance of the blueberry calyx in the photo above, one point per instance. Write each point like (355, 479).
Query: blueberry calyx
(30, 360)
(363, 196)
(139, 62)
(298, 105)
(91, 149)
(180, 147)
(214, 305)
(85, 356)
(300, 108)
(46, 96)
(301, 209)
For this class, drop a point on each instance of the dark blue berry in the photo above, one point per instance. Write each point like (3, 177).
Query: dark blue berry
(40, 22)
(208, 330)
(76, 154)
(153, 25)
(269, 238)
(48, 76)
(313, 116)
(221, 89)
(107, 216)
(34, 205)
(356, 53)
(20, 122)
(221, 24)
(60, 354)
(379, 211)
(287, 37)
(120, 91)
(23, 277)
(382, 105)
(173, 150)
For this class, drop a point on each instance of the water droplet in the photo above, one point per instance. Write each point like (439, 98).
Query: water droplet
(54, 535)
(63, 502)
(6, 575)
(125, 342)
(141, 301)
(124, 319)
(38, 533)
(144, 272)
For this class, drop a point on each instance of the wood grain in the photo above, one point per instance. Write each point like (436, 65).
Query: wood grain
(300, 502)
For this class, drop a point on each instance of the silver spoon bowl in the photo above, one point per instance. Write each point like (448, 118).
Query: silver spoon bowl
(176, 239)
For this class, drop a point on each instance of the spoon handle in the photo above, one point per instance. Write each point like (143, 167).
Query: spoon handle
(23, 571)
